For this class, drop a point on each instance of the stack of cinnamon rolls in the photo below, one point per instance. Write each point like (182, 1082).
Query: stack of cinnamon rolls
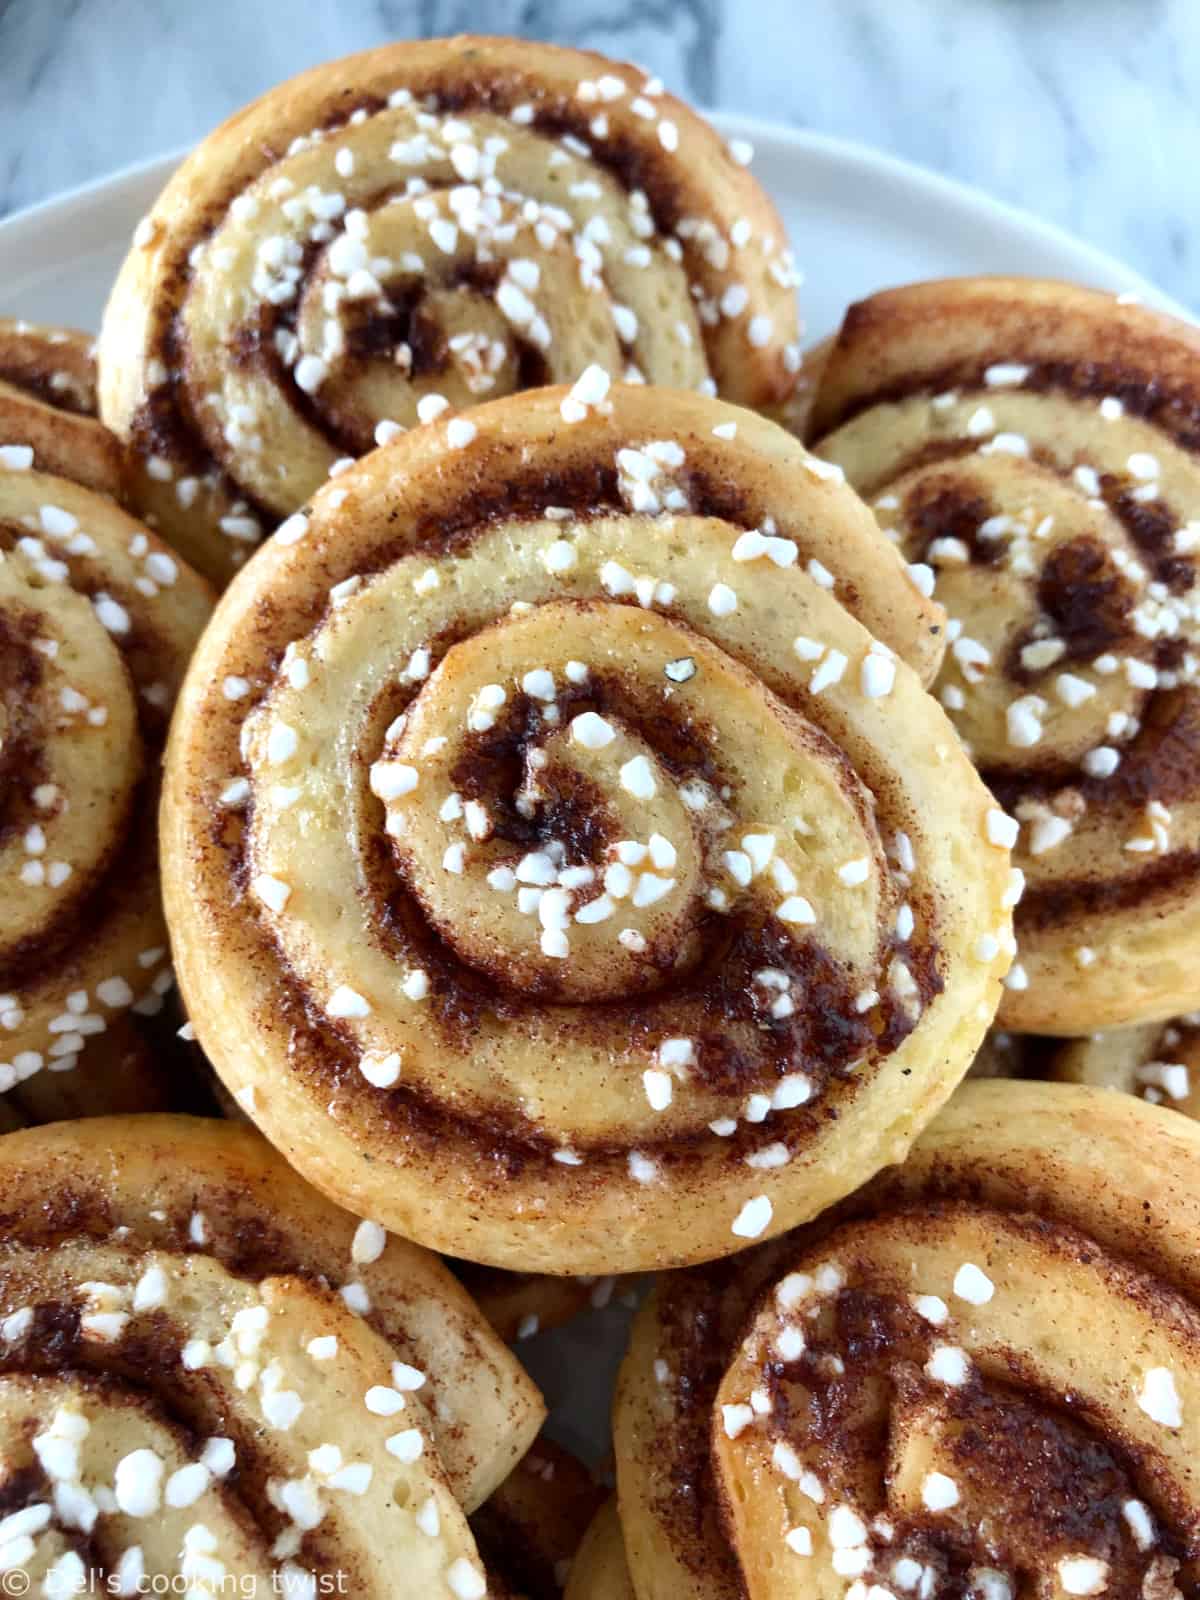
(618, 796)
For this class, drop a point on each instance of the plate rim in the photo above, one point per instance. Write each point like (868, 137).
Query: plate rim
(798, 142)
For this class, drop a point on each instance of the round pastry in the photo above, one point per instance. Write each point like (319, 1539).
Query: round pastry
(530, 1528)
(208, 1369)
(600, 1570)
(1035, 446)
(417, 228)
(97, 621)
(901, 1397)
(1160, 1062)
(48, 407)
(551, 856)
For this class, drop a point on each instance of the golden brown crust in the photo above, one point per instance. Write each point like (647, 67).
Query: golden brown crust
(1036, 445)
(1046, 1160)
(884, 344)
(1025, 1212)
(328, 236)
(669, 1511)
(48, 403)
(374, 636)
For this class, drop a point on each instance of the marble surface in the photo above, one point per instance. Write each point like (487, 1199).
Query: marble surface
(1086, 112)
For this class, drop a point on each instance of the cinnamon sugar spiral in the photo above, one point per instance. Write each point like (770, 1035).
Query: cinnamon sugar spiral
(981, 1378)
(97, 621)
(1036, 446)
(208, 1373)
(422, 227)
(48, 406)
(549, 853)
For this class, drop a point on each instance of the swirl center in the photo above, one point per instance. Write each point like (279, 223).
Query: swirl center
(541, 829)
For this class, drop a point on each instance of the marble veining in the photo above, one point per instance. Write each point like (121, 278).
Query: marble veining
(1086, 112)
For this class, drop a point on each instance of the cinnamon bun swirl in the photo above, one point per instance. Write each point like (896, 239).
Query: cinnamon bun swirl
(551, 855)
(1035, 446)
(982, 1376)
(409, 231)
(209, 1373)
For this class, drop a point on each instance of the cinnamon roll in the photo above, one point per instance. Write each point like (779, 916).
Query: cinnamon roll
(48, 407)
(1035, 447)
(1159, 1062)
(206, 1370)
(412, 230)
(981, 1378)
(550, 856)
(97, 621)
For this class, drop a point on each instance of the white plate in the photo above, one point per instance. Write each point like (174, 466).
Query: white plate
(858, 220)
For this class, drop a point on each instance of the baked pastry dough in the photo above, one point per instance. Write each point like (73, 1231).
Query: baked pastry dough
(426, 225)
(97, 621)
(983, 1373)
(1035, 445)
(519, 1305)
(48, 406)
(208, 1368)
(566, 861)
